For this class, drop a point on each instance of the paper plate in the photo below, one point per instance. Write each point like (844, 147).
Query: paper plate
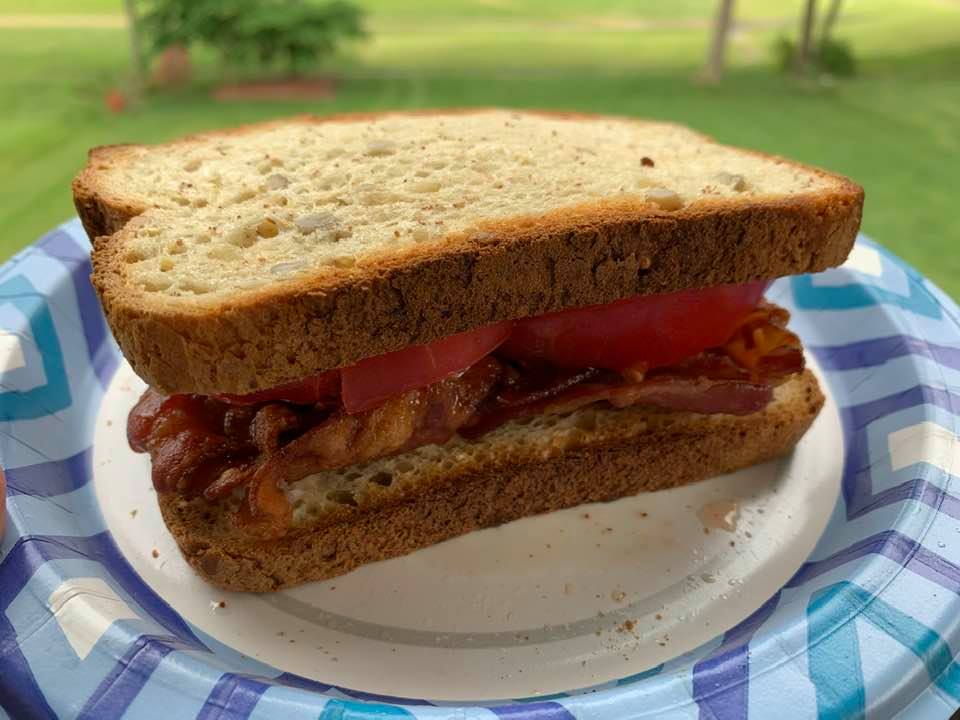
(824, 584)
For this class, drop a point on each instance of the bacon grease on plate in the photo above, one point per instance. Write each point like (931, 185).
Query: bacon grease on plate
(720, 515)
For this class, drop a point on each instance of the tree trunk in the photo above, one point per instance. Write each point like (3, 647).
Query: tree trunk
(718, 43)
(801, 60)
(829, 21)
(136, 49)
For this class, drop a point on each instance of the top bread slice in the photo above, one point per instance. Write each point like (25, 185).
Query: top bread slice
(237, 260)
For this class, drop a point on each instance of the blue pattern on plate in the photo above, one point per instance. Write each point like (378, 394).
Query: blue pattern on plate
(884, 578)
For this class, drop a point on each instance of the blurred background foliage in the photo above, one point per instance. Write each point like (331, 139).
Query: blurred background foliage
(870, 88)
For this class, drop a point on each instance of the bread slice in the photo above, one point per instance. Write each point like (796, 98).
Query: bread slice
(392, 507)
(237, 260)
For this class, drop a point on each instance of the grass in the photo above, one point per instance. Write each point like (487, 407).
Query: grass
(894, 128)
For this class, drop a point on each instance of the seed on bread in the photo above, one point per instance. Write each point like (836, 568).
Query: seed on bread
(732, 180)
(244, 195)
(277, 182)
(243, 236)
(268, 228)
(664, 198)
(316, 221)
(380, 148)
(287, 268)
(425, 186)
(226, 253)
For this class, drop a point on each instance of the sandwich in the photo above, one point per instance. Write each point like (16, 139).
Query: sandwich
(366, 334)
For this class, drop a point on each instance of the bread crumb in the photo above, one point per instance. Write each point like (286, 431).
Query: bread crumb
(568, 588)
(133, 513)
(618, 595)
(646, 162)
(658, 616)
(155, 553)
(222, 604)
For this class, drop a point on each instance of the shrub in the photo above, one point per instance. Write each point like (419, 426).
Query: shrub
(834, 57)
(294, 33)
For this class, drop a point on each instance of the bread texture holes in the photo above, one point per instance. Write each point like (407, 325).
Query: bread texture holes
(383, 479)
(342, 497)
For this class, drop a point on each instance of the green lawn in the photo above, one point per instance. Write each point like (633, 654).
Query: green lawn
(895, 128)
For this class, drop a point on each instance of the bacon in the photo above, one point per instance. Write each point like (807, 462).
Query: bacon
(196, 444)
(419, 417)
(688, 394)
(711, 382)
(204, 445)
(183, 435)
(730, 397)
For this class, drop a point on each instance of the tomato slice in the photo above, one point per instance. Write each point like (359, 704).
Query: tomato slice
(655, 330)
(309, 391)
(372, 381)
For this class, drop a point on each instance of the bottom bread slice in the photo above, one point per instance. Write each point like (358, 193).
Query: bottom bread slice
(590, 456)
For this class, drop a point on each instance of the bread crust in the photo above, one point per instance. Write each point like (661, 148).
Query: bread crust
(589, 254)
(649, 455)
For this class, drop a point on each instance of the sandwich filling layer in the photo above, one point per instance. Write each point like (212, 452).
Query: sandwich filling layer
(719, 350)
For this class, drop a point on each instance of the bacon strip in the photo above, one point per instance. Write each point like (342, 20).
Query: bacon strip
(203, 445)
(184, 435)
(419, 417)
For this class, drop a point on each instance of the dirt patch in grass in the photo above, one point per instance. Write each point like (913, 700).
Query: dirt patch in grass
(270, 90)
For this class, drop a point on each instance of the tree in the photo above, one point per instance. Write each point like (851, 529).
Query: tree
(818, 52)
(718, 42)
(137, 63)
(296, 34)
(293, 32)
(804, 50)
(829, 22)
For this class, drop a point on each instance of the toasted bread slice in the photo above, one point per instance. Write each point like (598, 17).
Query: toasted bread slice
(238, 260)
(392, 507)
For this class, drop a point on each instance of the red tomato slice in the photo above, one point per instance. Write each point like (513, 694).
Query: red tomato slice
(657, 330)
(308, 391)
(372, 381)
